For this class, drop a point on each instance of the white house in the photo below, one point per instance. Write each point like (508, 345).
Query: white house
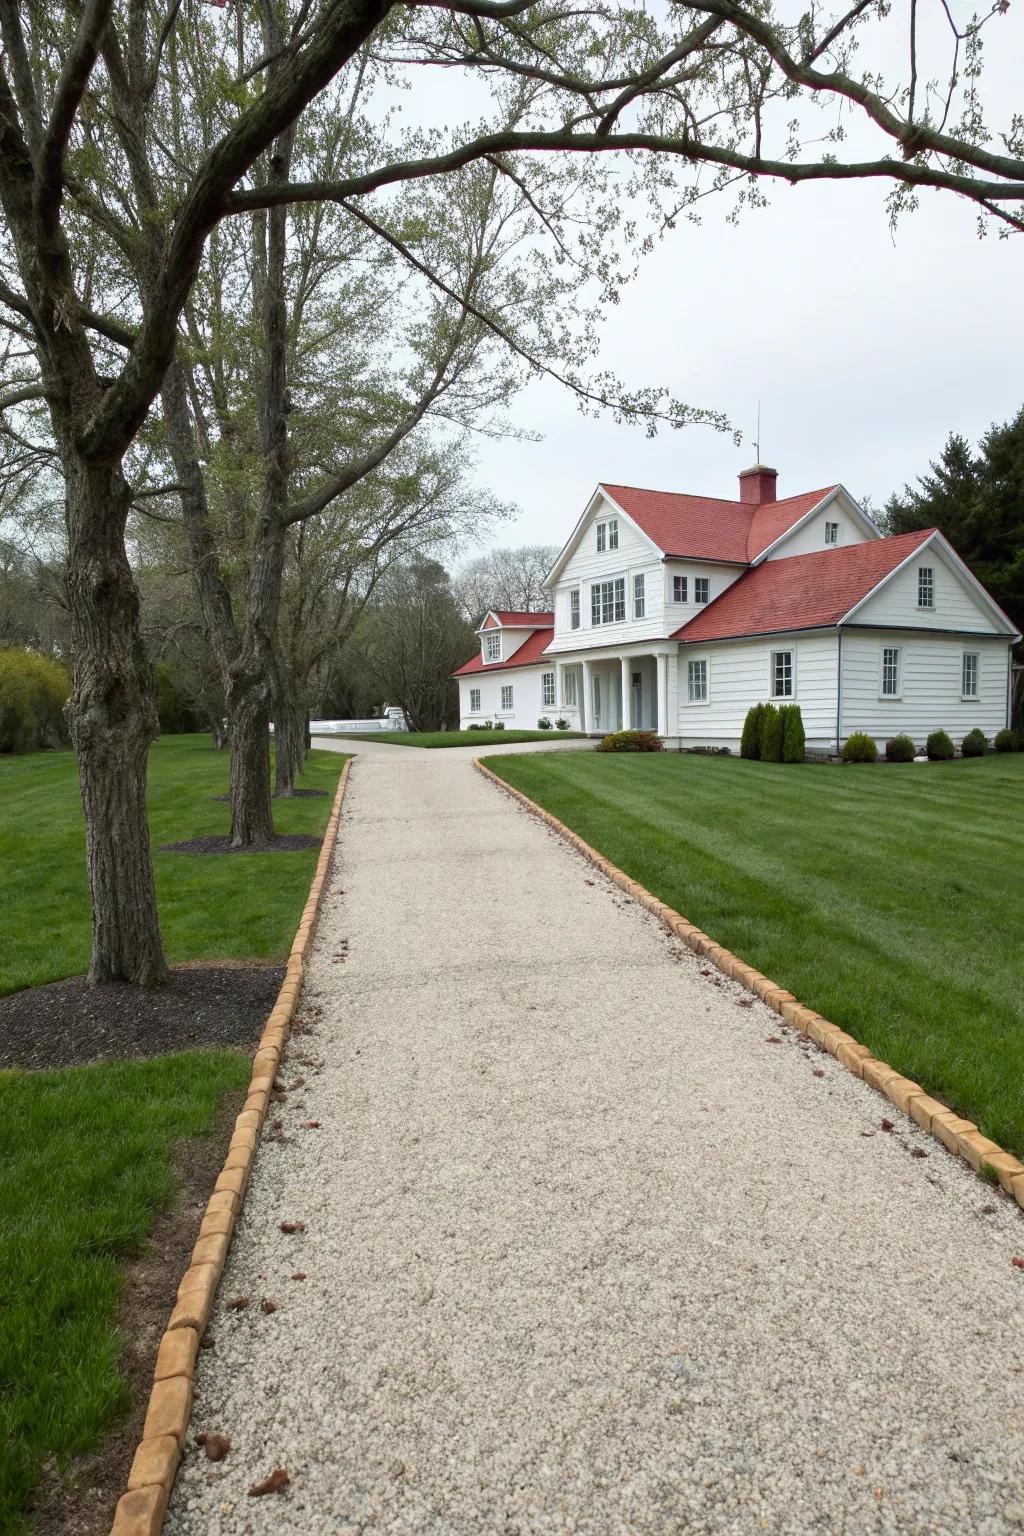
(675, 613)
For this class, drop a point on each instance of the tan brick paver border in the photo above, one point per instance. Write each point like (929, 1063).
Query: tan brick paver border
(956, 1134)
(141, 1511)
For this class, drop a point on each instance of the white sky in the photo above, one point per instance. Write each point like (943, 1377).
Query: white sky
(865, 348)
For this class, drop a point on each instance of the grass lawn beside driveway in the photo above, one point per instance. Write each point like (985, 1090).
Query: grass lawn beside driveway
(888, 898)
(221, 907)
(458, 738)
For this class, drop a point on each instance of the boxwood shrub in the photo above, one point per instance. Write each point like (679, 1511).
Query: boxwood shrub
(900, 749)
(940, 747)
(1006, 740)
(974, 744)
(632, 741)
(860, 748)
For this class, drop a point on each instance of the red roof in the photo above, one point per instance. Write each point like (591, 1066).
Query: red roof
(522, 620)
(709, 528)
(532, 648)
(802, 592)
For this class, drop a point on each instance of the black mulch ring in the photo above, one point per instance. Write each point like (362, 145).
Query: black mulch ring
(287, 842)
(69, 1024)
(296, 794)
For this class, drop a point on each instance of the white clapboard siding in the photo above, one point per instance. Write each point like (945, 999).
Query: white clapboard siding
(527, 707)
(957, 606)
(739, 675)
(931, 672)
(809, 539)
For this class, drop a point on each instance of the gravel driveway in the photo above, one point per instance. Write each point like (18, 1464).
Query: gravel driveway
(593, 1242)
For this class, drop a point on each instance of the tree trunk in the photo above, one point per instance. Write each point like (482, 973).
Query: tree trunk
(289, 746)
(113, 720)
(252, 813)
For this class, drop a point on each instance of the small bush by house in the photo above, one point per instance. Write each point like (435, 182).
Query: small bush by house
(900, 749)
(33, 692)
(543, 724)
(561, 724)
(974, 744)
(940, 747)
(750, 741)
(772, 737)
(1006, 740)
(632, 741)
(794, 741)
(860, 748)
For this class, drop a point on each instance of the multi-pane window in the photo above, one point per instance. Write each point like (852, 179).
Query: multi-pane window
(679, 589)
(492, 646)
(890, 671)
(639, 597)
(782, 674)
(701, 589)
(574, 608)
(608, 601)
(608, 535)
(547, 689)
(969, 675)
(569, 688)
(925, 586)
(474, 701)
(831, 533)
(506, 696)
(697, 681)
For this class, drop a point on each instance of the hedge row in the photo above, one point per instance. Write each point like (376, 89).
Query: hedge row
(774, 734)
(862, 748)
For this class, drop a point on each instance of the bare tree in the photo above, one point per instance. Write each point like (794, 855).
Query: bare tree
(510, 579)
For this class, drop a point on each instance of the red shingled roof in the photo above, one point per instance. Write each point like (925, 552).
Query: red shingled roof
(532, 648)
(802, 592)
(522, 620)
(709, 528)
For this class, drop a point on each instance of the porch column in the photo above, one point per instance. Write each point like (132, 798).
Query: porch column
(626, 722)
(662, 693)
(586, 700)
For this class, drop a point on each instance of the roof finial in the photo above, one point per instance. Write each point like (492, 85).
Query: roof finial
(757, 444)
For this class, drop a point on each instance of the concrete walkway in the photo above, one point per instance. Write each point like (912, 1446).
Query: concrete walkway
(585, 1250)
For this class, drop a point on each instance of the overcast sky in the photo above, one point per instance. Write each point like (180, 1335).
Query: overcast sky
(866, 348)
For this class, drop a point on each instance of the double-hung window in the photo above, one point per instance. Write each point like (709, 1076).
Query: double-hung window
(831, 533)
(891, 669)
(782, 674)
(925, 586)
(608, 535)
(574, 608)
(608, 601)
(547, 689)
(701, 589)
(679, 589)
(492, 646)
(474, 701)
(506, 696)
(969, 674)
(697, 681)
(639, 597)
(569, 688)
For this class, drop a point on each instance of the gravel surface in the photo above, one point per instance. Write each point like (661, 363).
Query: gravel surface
(69, 1024)
(592, 1242)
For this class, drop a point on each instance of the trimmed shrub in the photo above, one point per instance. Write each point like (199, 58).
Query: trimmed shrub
(632, 741)
(794, 742)
(543, 724)
(561, 724)
(750, 742)
(900, 749)
(860, 748)
(499, 725)
(33, 692)
(940, 747)
(1006, 740)
(974, 744)
(772, 726)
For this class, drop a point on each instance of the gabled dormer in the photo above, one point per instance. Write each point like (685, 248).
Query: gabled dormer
(503, 633)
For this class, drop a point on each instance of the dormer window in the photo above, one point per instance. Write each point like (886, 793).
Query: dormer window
(831, 533)
(608, 535)
(492, 646)
(926, 586)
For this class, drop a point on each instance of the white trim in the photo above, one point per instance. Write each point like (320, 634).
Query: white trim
(609, 581)
(474, 709)
(489, 661)
(782, 650)
(937, 539)
(704, 661)
(890, 698)
(975, 697)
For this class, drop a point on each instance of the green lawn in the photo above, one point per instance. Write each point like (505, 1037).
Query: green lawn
(219, 907)
(458, 738)
(889, 898)
(85, 1165)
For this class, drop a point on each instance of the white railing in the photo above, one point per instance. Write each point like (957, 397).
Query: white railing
(395, 721)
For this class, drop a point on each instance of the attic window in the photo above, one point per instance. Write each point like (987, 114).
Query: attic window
(831, 533)
(701, 589)
(492, 646)
(925, 586)
(608, 535)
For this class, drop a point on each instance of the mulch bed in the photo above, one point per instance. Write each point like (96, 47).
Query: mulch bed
(287, 842)
(69, 1024)
(296, 794)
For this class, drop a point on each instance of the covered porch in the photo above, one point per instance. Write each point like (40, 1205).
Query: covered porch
(601, 694)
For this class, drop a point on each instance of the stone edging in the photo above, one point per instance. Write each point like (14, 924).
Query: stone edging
(141, 1511)
(956, 1134)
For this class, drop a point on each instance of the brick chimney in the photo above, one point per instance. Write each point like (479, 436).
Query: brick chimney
(758, 484)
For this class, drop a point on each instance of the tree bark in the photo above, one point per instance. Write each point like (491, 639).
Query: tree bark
(113, 721)
(252, 813)
(289, 745)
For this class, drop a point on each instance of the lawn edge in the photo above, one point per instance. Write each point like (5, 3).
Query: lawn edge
(142, 1508)
(956, 1134)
